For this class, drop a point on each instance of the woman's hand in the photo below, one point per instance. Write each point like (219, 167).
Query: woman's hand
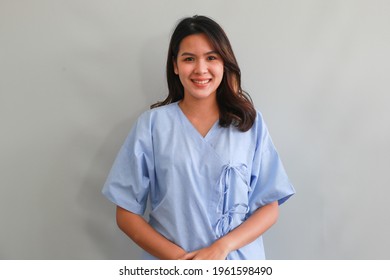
(217, 251)
(260, 221)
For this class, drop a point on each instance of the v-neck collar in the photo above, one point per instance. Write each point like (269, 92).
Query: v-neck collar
(188, 123)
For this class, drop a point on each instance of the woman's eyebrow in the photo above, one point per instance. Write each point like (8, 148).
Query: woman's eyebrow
(191, 54)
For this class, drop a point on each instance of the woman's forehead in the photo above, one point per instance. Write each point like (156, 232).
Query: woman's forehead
(196, 44)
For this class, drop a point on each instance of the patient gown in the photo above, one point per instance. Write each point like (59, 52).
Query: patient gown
(199, 188)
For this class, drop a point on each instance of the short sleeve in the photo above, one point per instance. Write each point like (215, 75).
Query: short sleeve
(269, 180)
(129, 180)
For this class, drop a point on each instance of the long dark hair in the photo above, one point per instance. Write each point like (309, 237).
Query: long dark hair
(235, 105)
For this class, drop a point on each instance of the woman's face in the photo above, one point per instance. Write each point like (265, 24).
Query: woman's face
(199, 66)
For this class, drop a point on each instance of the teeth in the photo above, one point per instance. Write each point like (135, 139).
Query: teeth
(201, 82)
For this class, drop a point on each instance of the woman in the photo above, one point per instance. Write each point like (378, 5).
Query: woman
(203, 156)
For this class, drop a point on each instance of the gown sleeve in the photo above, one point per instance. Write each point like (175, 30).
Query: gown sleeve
(129, 180)
(269, 181)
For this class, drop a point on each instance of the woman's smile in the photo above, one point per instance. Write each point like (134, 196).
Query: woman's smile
(201, 82)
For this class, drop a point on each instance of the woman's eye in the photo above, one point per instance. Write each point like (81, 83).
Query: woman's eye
(189, 59)
(212, 58)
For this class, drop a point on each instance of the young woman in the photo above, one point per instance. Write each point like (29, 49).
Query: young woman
(203, 157)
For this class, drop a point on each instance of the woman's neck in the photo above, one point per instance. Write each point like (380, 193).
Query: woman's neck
(200, 108)
(203, 114)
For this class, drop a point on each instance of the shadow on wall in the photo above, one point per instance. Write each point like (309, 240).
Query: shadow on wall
(99, 213)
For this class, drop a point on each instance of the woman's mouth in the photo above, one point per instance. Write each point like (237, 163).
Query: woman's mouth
(201, 82)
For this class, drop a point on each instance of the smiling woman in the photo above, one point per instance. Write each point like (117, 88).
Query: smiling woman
(199, 67)
(235, 106)
(203, 156)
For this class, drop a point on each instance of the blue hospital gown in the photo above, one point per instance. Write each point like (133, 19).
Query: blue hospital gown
(200, 188)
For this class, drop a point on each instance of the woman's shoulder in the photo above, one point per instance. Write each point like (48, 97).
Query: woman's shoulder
(259, 121)
(164, 108)
(259, 129)
(158, 114)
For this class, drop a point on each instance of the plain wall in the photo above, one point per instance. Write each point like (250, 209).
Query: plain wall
(74, 75)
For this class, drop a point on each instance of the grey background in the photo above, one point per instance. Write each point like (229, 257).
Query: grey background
(74, 75)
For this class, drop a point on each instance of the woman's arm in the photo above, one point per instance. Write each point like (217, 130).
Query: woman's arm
(146, 237)
(258, 223)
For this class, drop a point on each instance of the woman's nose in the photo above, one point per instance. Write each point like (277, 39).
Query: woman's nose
(200, 67)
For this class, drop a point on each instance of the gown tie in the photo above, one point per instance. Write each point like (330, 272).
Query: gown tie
(224, 223)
